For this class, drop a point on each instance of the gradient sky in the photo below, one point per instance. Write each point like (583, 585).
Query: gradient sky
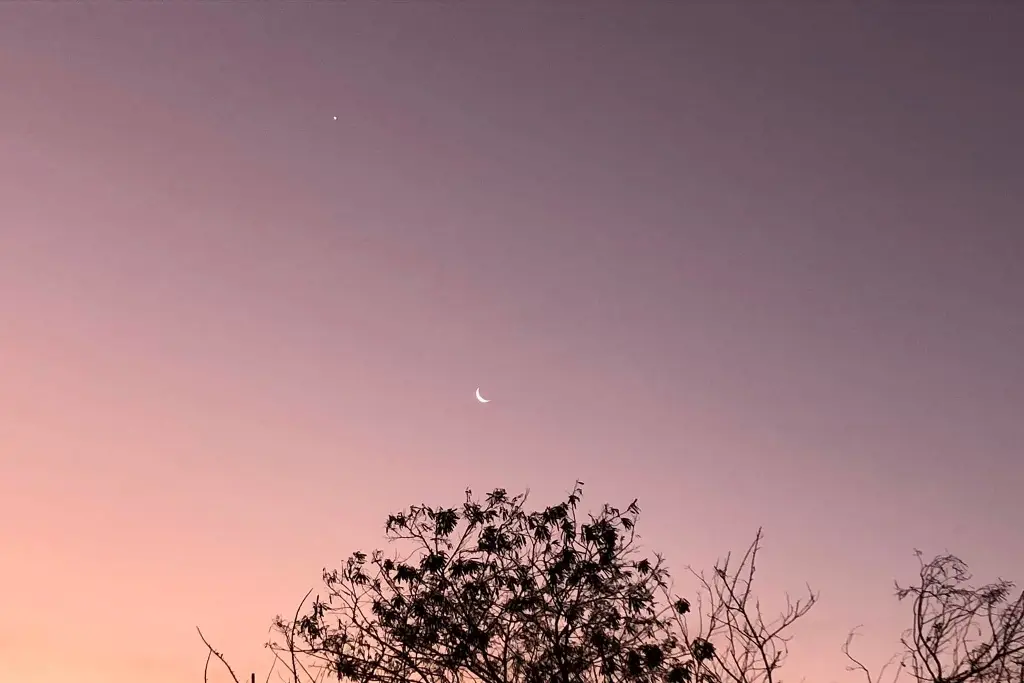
(755, 265)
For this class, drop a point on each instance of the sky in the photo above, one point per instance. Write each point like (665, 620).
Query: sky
(753, 264)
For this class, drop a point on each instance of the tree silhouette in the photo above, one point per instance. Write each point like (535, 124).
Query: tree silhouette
(749, 649)
(489, 592)
(959, 633)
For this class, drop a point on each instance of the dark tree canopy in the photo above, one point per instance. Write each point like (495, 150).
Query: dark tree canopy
(495, 593)
(491, 592)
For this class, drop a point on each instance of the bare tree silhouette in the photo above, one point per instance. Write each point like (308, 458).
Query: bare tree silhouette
(748, 649)
(959, 633)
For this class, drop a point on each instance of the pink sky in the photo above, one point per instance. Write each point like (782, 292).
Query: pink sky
(752, 266)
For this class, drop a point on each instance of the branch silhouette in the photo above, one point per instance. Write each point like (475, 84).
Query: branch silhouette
(959, 633)
(491, 592)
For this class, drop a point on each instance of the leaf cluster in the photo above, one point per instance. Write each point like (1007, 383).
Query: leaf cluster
(494, 593)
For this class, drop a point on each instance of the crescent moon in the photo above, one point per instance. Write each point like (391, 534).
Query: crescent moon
(481, 398)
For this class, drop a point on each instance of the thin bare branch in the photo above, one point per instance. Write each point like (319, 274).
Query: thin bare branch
(217, 655)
